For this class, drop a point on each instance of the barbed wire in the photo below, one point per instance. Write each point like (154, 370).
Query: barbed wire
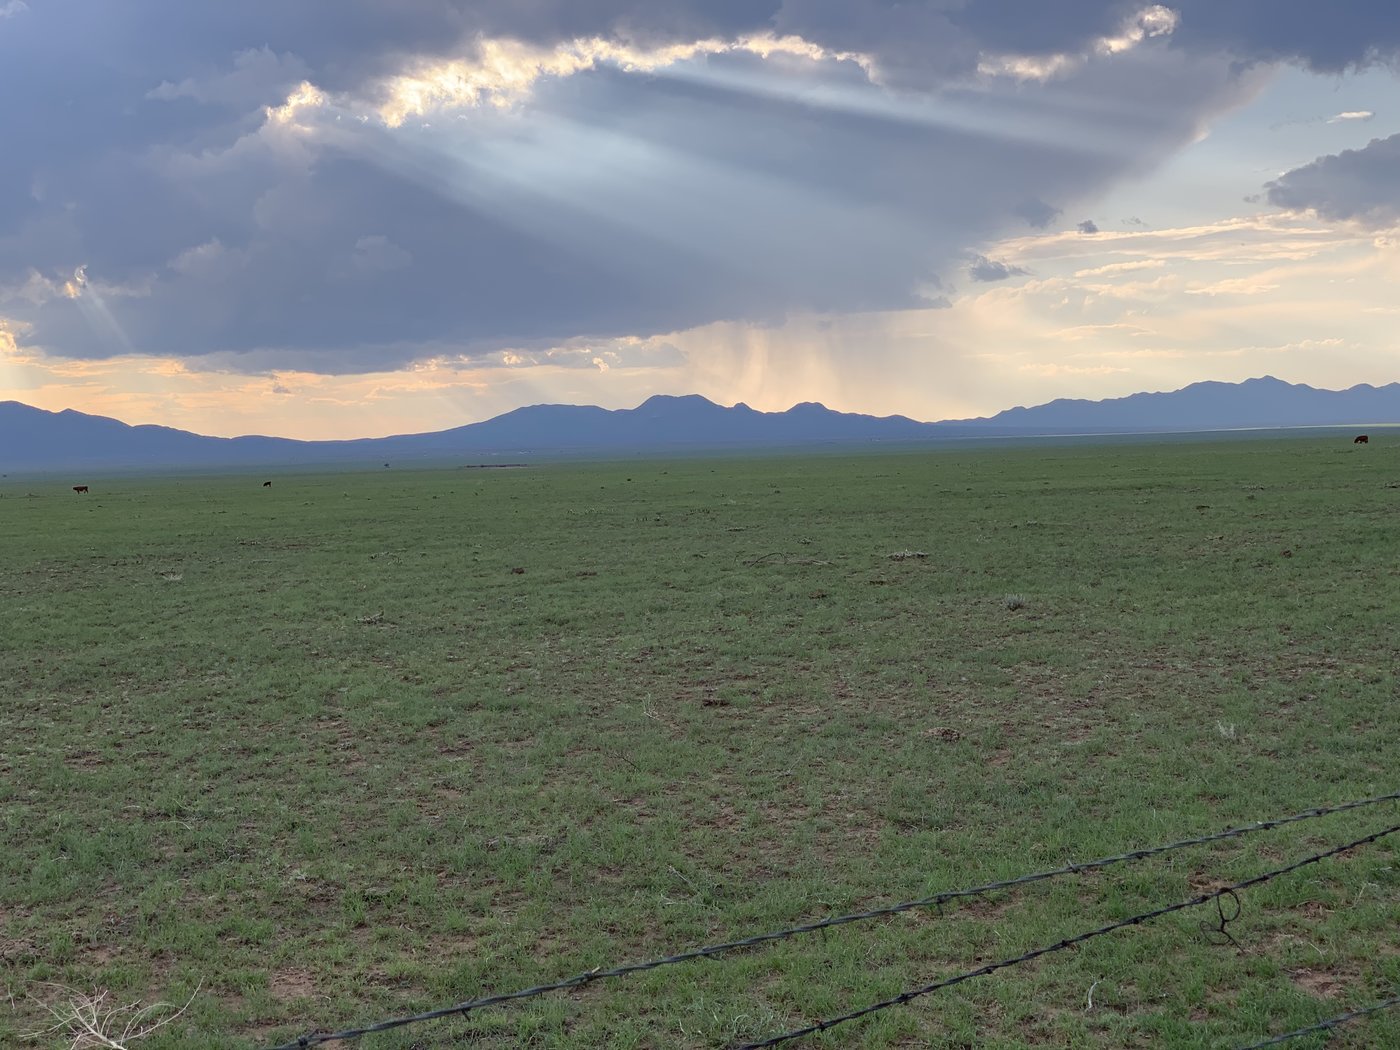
(1069, 942)
(934, 901)
(1323, 1026)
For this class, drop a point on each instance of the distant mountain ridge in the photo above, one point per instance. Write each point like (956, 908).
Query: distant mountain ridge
(1262, 402)
(33, 439)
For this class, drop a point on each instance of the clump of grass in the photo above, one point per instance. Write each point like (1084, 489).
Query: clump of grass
(1014, 602)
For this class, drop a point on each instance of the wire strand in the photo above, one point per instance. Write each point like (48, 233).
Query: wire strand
(934, 901)
(1068, 942)
(1323, 1026)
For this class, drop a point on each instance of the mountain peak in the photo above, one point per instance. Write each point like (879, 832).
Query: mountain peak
(672, 401)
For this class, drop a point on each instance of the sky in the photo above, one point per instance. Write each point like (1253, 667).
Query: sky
(347, 218)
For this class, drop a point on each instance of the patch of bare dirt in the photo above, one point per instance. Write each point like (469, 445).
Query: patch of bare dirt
(945, 733)
(18, 951)
(100, 954)
(1323, 983)
(457, 749)
(1207, 883)
(986, 907)
(346, 745)
(290, 984)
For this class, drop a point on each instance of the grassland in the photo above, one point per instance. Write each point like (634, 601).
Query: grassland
(361, 744)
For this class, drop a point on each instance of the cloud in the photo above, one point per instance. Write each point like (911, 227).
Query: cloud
(1346, 117)
(1194, 302)
(1114, 269)
(1048, 369)
(1150, 21)
(1353, 33)
(259, 77)
(1356, 184)
(605, 355)
(984, 269)
(1036, 212)
(323, 234)
(1076, 333)
(1289, 248)
(1234, 286)
(1087, 226)
(377, 254)
(208, 261)
(353, 187)
(505, 72)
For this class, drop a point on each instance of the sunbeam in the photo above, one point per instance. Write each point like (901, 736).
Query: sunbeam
(95, 311)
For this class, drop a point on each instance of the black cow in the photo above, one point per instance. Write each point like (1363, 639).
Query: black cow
(1361, 439)
(80, 488)
(267, 484)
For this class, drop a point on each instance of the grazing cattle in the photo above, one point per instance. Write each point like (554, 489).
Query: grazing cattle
(1361, 439)
(79, 488)
(267, 484)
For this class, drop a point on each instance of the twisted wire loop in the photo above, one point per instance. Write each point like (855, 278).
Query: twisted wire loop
(935, 901)
(1068, 942)
(1330, 1023)
(1214, 930)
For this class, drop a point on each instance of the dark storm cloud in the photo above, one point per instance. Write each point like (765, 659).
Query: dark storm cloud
(140, 149)
(984, 269)
(1088, 226)
(946, 37)
(395, 240)
(1361, 184)
(1326, 37)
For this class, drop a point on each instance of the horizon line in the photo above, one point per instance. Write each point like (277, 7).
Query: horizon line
(736, 405)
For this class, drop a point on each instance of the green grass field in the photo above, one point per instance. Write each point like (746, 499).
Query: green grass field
(355, 745)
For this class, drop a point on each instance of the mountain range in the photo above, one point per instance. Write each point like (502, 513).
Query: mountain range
(33, 439)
